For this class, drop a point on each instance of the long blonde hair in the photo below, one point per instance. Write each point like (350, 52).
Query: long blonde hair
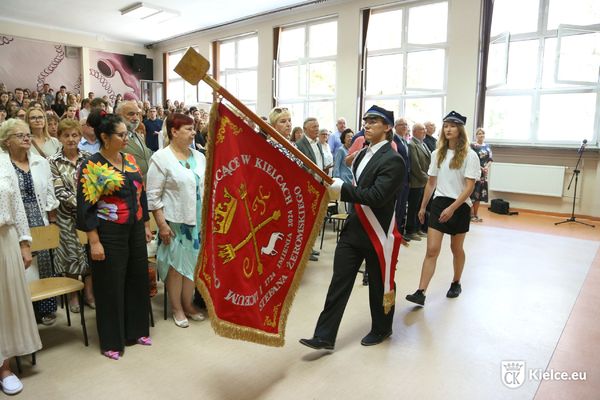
(461, 150)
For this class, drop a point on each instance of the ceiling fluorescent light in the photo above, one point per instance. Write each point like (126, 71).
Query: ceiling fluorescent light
(139, 10)
(161, 16)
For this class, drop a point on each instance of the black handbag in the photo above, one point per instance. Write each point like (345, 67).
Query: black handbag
(500, 206)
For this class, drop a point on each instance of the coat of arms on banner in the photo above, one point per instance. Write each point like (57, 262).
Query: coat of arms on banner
(261, 215)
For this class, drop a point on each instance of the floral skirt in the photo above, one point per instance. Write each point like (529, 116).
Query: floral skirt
(181, 253)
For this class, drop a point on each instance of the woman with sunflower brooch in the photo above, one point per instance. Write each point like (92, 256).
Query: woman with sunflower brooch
(113, 211)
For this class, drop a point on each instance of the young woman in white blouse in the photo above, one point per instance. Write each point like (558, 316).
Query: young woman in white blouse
(176, 178)
(18, 328)
(452, 173)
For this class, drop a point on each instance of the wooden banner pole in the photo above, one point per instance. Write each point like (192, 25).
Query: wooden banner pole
(193, 68)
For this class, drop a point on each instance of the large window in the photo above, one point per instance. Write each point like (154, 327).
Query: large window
(178, 89)
(543, 72)
(238, 63)
(406, 60)
(306, 71)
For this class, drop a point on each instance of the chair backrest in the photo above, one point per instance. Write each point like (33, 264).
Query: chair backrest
(45, 237)
(82, 236)
(152, 224)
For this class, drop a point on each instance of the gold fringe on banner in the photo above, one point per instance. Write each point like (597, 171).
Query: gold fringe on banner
(389, 299)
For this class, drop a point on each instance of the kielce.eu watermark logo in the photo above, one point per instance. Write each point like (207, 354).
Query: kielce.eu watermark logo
(514, 374)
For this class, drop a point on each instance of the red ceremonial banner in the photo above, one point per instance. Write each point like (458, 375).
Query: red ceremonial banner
(261, 215)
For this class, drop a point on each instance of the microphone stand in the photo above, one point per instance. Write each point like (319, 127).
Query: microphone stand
(575, 175)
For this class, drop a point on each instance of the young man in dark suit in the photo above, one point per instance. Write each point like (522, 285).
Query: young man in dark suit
(369, 234)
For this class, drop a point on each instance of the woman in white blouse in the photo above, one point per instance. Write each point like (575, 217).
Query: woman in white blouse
(18, 329)
(174, 188)
(42, 143)
(37, 193)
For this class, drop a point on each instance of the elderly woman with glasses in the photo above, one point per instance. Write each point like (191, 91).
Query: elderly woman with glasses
(37, 193)
(18, 329)
(176, 177)
(42, 143)
(70, 256)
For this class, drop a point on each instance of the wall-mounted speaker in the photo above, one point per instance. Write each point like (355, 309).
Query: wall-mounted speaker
(139, 62)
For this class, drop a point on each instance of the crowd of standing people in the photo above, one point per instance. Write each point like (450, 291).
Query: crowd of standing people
(104, 167)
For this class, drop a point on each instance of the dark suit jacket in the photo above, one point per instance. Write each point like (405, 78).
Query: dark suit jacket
(405, 154)
(377, 187)
(304, 146)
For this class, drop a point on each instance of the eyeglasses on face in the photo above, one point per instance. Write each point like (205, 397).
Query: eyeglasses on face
(36, 117)
(22, 136)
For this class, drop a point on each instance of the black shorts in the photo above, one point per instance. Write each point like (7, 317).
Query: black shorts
(458, 223)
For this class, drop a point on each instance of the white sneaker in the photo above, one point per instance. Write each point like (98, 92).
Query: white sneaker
(11, 384)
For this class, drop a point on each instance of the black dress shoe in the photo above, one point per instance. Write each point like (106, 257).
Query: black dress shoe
(316, 253)
(417, 297)
(312, 257)
(454, 291)
(374, 338)
(317, 343)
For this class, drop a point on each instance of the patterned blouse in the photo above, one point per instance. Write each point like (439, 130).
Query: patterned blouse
(105, 192)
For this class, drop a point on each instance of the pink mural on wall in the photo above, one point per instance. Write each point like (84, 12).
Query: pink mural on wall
(112, 74)
(30, 63)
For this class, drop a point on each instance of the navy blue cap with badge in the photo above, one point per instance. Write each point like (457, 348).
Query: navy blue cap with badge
(376, 111)
(456, 118)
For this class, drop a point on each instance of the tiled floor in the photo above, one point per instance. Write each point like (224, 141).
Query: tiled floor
(530, 293)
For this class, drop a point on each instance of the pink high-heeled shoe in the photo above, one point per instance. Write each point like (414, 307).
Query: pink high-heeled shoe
(113, 355)
(145, 341)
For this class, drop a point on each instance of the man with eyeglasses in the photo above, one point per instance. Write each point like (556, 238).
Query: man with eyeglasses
(369, 235)
(136, 146)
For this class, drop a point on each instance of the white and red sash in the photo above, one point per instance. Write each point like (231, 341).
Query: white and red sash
(387, 247)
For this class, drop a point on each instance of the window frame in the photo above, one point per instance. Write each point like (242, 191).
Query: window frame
(305, 62)
(224, 73)
(542, 34)
(407, 93)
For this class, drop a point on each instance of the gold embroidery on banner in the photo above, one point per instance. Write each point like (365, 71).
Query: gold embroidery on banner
(247, 271)
(226, 122)
(227, 252)
(224, 213)
(272, 322)
(206, 276)
(260, 200)
(315, 193)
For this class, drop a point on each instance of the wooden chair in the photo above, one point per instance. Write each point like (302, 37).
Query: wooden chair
(336, 218)
(47, 238)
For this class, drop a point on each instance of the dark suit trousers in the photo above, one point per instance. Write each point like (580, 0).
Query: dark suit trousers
(346, 262)
(121, 285)
(401, 201)
(415, 195)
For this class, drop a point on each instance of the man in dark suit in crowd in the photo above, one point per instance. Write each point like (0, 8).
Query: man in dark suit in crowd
(429, 139)
(369, 234)
(400, 131)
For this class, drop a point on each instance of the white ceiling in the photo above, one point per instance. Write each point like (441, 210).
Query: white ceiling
(103, 18)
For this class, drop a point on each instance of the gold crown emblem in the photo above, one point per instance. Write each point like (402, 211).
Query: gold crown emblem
(224, 213)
